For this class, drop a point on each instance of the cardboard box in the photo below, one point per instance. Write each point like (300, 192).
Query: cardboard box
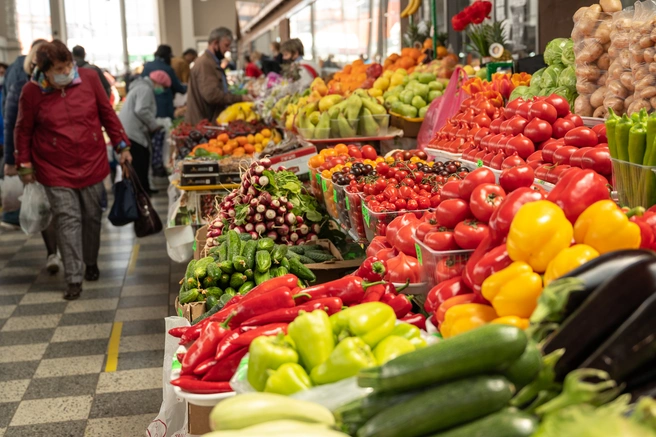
(295, 161)
(199, 243)
(410, 128)
(199, 419)
(191, 167)
(190, 311)
(199, 180)
(330, 270)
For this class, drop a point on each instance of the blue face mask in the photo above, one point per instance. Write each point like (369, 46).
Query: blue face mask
(64, 79)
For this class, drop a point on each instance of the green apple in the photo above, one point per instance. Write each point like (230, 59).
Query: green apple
(434, 85)
(422, 112)
(426, 78)
(432, 95)
(418, 102)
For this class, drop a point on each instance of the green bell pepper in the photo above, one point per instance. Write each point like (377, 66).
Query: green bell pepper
(392, 347)
(371, 321)
(349, 357)
(268, 353)
(313, 336)
(410, 332)
(288, 379)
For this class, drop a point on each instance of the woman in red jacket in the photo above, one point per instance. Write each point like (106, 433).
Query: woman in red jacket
(59, 143)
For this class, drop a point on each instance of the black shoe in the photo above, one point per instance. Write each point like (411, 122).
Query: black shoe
(92, 273)
(73, 292)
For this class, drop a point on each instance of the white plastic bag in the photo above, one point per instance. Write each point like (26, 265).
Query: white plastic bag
(35, 214)
(12, 189)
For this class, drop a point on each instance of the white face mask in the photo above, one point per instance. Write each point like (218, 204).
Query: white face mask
(64, 79)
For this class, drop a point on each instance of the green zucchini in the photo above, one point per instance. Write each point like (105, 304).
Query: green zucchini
(223, 252)
(262, 261)
(250, 247)
(265, 243)
(305, 260)
(525, 368)
(362, 409)
(481, 350)
(215, 309)
(227, 267)
(245, 236)
(224, 281)
(239, 263)
(505, 423)
(285, 263)
(441, 407)
(246, 287)
(234, 245)
(278, 253)
(214, 291)
(237, 280)
(261, 277)
(317, 256)
(297, 268)
(187, 296)
(200, 270)
(297, 250)
(210, 301)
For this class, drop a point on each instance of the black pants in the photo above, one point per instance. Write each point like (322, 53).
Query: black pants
(141, 163)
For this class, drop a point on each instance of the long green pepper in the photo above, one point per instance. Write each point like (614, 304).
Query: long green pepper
(622, 138)
(650, 154)
(637, 143)
(611, 124)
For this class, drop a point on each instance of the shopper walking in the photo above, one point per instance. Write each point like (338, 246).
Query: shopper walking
(208, 86)
(59, 143)
(162, 62)
(11, 218)
(252, 68)
(138, 117)
(3, 70)
(79, 55)
(14, 73)
(182, 65)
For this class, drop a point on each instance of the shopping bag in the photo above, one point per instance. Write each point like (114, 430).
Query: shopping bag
(442, 108)
(35, 214)
(124, 210)
(12, 189)
(148, 222)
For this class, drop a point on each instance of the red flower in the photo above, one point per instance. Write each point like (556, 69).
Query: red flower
(479, 11)
(460, 21)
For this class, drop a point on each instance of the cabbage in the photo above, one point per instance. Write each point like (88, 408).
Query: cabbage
(554, 51)
(521, 91)
(550, 76)
(536, 78)
(567, 77)
(567, 57)
(565, 92)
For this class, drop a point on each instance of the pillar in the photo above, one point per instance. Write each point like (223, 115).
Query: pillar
(187, 30)
(58, 20)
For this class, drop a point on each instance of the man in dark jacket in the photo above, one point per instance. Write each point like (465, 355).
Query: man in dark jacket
(164, 99)
(14, 74)
(79, 55)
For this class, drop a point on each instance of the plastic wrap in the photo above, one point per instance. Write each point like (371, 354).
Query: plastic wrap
(641, 57)
(618, 91)
(591, 38)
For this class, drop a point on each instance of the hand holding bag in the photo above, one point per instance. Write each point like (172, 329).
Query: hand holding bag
(148, 222)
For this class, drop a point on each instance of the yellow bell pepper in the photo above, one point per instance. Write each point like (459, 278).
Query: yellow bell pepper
(606, 228)
(518, 322)
(513, 291)
(538, 233)
(465, 317)
(567, 260)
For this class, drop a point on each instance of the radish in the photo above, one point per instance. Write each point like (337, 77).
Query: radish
(290, 206)
(252, 191)
(260, 228)
(275, 203)
(231, 213)
(239, 229)
(299, 220)
(282, 210)
(218, 225)
(264, 181)
(279, 221)
(254, 235)
(254, 202)
(272, 234)
(293, 237)
(258, 170)
(258, 217)
(249, 227)
(290, 218)
(303, 229)
(312, 237)
(265, 198)
(270, 214)
(270, 226)
(283, 230)
(265, 162)
(261, 209)
(283, 199)
(316, 228)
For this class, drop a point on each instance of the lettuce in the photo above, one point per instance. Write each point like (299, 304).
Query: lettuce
(536, 78)
(521, 91)
(567, 56)
(550, 76)
(567, 78)
(553, 53)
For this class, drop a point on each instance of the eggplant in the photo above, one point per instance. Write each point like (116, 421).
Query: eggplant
(605, 310)
(578, 284)
(631, 346)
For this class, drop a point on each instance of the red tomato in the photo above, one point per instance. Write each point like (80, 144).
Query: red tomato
(544, 111)
(561, 127)
(600, 130)
(563, 154)
(598, 159)
(441, 240)
(577, 157)
(435, 200)
(482, 120)
(557, 172)
(482, 133)
(542, 172)
(452, 211)
(495, 126)
(516, 177)
(470, 233)
(386, 254)
(578, 121)
(354, 152)
(424, 201)
(516, 125)
(449, 267)
(487, 159)
(368, 152)
(540, 189)
(535, 156)
(581, 137)
(450, 190)
(485, 199)
(511, 108)
(472, 180)
(497, 161)
(523, 109)
(549, 150)
(512, 161)
(538, 130)
(521, 145)
(382, 168)
(560, 103)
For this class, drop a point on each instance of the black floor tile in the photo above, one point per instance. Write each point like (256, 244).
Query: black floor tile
(31, 336)
(140, 360)
(128, 403)
(7, 411)
(12, 299)
(58, 429)
(74, 385)
(145, 301)
(87, 318)
(143, 279)
(21, 279)
(39, 309)
(76, 348)
(100, 293)
(21, 370)
(143, 327)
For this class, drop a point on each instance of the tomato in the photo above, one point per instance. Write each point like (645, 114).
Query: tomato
(413, 205)
(482, 120)
(368, 152)
(538, 130)
(600, 130)
(452, 211)
(419, 177)
(560, 103)
(435, 201)
(449, 267)
(472, 180)
(512, 161)
(469, 233)
(400, 204)
(578, 121)
(391, 191)
(450, 190)
(482, 133)
(392, 181)
(549, 150)
(557, 172)
(511, 108)
(401, 174)
(561, 127)
(424, 201)
(516, 125)
(404, 192)
(387, 253)
(521, 145)
(485, 199)
(576, 159)
(487, 159)
(523, 109)
(495, 126)
(440, 240)
(598, 159)
(354, 152)
(540, 189)
(380, 185)
(562, 154)
(378, 243)
(382, 168)
(581, 137)
(542, 172)
(497, 161)
(516, 177)
(544, 111)
(408, 182)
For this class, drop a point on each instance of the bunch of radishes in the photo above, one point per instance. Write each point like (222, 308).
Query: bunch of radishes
(251, 209)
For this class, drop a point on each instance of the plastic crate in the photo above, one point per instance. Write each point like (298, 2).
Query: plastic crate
(339, 195)
(354, 207)
(315, 184)
(375, 223)
(635, 184)
(329, 197)
(430, 259)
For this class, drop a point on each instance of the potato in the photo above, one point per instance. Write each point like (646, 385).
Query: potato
(626, 79)
(625, 59)
(600, 112)
(645, 82)
(602, 79)
(577, 35)
(613, 102)
(603, 62)
(610, 5)
(597, 98)
(647, 92)
(648, 54)
(589, 20)
(621, 41)
(652, 35)
(582, 106)
(636, 25)
(602, 34)
(623, 24)
(646, 42)
(652, 68)
(615, 70)
(613, 52)
(637, 105)
(640, 71)
(590, 52)
(615, 88)
(606, 46)
(588, 72)
(579, 13)
(652, 102)
(627, 101)
(585, 87)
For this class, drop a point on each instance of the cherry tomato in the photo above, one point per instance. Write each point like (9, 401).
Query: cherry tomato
(368, 152)
(400, 204)
(382, 168)
(423, 202)
(409, 182)
(435, 201)
(419, 177)
(404, 192)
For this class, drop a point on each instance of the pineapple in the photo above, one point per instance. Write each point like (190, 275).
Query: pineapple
(416, 34)
(495, 34)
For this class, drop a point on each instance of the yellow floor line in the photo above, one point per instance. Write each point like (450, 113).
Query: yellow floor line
(133, 259)
(112, 349)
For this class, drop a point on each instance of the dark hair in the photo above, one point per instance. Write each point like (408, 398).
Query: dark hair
(293, 45)
(51, 52)
(276, 45)
(37, 41)
(79, 52)
(164, 52)
(3, 65)
(190, 52)
(247, 58)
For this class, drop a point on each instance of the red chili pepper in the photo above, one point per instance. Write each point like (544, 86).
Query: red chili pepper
(290, 281)
(400, 303)
(224, 312)
(372, 269)
(443, 291)
(224, 370)
(330, 305)
(374, 294)
(201, 387)
(178, 331)
(349, 288)
(262, 304)
(204, 347)
(205, 366)
(236, 340)
(577, 190)
(180, 354)
(419, 320)
(479, 253)
(194, 332)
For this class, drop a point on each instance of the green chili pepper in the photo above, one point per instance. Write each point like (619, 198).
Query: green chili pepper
(637, 143)
(611, 124)
(622, 138)
(650, 152)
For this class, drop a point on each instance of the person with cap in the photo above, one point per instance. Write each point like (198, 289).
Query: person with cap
(79, 55)
(162, 62)
(138, 115)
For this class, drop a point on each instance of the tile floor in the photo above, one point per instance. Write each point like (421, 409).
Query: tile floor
(55, 376)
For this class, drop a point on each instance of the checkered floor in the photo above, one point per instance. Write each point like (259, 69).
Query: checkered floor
(56, 363)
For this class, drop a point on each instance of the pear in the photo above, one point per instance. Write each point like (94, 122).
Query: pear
(329, 101)
(434, 85)
(368, 126)
(314, 118)
(345, 129)
(374, 107)
(322, 131)
(418, 102)
(353, 106)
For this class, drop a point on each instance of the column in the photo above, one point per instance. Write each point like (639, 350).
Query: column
(187, 32)
(58, 20)
(124, 37)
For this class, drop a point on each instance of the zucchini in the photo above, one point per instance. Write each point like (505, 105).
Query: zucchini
(265, 244)
(441, 407)
(250, 247)
(526, 368)
(505, 423)
(237, 280)
(223, 252)
(278, 253)
(227, 267)
(187, 296)
(285, 263)
(318, 256)
(297, 268)
(246, 287)
(262, 261)
(357, 412)
(297, 250)
(210, 301)
(245, 236)
(225, 280)
(234, 245)
(481, 350)
(261, 277)
(305, 260)
(214, 291)
(239, 263)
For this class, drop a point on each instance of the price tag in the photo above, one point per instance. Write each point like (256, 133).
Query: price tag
(242, 369)
(323, 184)
(348, 204)
(479, 163)
(175, 364)
(540, 181)
(334, 194)
(180, 312)
(194, 246)
(419, 258)
(365, 214)
(318, 179)
(310, 175)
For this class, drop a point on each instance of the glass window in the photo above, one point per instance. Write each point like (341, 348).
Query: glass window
(32, 22)
(300, 26)
(392, 37)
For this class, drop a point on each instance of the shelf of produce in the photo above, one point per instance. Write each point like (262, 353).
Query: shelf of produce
(546, 185)
(390, 135)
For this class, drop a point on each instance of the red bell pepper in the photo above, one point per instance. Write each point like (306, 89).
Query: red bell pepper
(205, 366)
(493, 261)
(204, 347)
(349, 288)
(372, 269)
(504, 214)
(378, 243)
(443, 291)
(419, 320)
(456, 300)
(262, 304)
(178, 331)
(400, 303)
(647, 222)
(236, 340)
(201, 387)
(330, 305)
(577, 190)
(224, 370)
(374, 293)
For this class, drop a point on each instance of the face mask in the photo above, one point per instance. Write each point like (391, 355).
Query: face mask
(218, 54)
(158, 90)
(64, 79)
(2, 80)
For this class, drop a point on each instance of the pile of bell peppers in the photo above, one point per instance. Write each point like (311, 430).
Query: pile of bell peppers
(321, 349)
(221, 340)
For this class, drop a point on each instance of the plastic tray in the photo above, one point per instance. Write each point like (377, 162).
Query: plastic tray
(635, 184)
(375, 223)
(343, 205)
(329, 197)
(315, 184)
(202, 400)
(354, 207)
(430, 259)
(441, 155)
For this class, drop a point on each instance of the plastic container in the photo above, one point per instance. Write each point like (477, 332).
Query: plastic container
(358, 128)
(329, 197)
(635, 184)
(354, 208)
(343, 205)
(436, 265)
(375, 223)
(315, 184)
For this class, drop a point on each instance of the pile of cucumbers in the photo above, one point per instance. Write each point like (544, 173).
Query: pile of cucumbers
(239, 264)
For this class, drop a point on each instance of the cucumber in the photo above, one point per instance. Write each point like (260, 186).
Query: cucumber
(305, 260)
(441, 407)
(190, 269)
(246, 287)
(215, 309)
(200, 297)
(481, 350)
(249, 274)
(278, 253)
(225, 299)
(280, 271)
(222, 238)
(210, 301)
(237, 280)
(191, 283)
(224, 281)
(200, 270)
(239, 263)
(525, 368)
(208, 282)
(245, 236)
(505, 423)
(285, 263)
(290, 254)
(261, 277)
(223, 251)
(265, 244)
(229, 292)
(187, 296)
(214, 291)
(262, 261)
(250, 247)
(214, 273)
(227, 267)
(318, 256)
(234, 245)
(297, 250)
(297, 268)
(214, 253)
(362, 409)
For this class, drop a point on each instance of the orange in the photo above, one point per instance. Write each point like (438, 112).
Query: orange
(223, 137)
(341, 149)
(250, 138)
(220, 144)
(249, 148)
(259, 138)
(227, 150)
(266, 133)
(241, 140)
(239, 151)
(347, 69)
